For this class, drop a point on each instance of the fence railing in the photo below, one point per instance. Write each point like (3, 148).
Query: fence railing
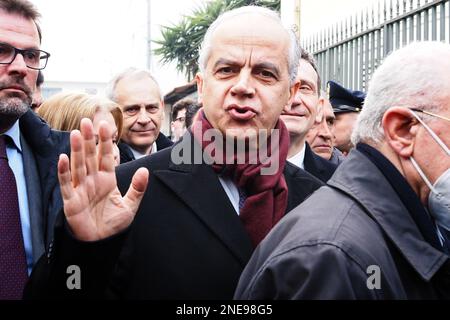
(350, 51)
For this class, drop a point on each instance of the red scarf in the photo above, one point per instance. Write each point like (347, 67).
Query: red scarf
(267, 195)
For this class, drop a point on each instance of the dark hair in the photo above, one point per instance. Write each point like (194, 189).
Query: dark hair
(23, 8)
(40, 79)
(191, 111)
(310, 59)
(180, 105)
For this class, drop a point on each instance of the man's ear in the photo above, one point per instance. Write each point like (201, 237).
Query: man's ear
(199, 80)
(400, 129)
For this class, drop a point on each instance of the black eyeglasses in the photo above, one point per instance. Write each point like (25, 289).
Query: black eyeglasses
(34, 58)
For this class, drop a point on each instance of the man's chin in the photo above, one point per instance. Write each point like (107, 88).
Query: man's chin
(241, 133)
(13, 107)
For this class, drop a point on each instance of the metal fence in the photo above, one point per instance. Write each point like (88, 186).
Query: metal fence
(349, 52)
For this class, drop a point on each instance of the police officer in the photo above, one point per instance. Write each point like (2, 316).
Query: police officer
(346, 106)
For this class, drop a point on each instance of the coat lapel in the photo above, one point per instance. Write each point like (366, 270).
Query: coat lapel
(198, 186)
(34, 201)
(45, 145)
(310, 163)
(300, 183)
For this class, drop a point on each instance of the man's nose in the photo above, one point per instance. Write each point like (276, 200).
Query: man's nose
(244, 86)
(291, 106)
(324, 131)
(143, 116)
(18, 66)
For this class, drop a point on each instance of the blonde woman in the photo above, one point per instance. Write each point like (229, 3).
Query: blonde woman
(65, 110)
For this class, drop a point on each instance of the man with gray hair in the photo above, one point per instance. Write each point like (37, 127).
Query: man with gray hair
(139, 96)
(378, 230)
(200, 218)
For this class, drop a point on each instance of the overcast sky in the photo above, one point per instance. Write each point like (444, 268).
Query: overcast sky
(91, 40)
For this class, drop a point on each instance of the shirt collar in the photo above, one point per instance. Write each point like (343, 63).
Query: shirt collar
(299, 158)
(138, 155)
(14, 134)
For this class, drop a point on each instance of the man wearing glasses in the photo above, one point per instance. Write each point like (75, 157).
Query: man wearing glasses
(178, 125)
(379, 230)
(28, 185)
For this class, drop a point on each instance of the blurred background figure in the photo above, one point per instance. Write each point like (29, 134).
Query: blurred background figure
(300, 116)
(191, 114)
(140, 99)
(37, 95)
(321, 137)
(178, 126)
(346, 106)
(64, 112)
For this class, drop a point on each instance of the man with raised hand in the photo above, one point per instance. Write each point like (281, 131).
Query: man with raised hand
(200, 218)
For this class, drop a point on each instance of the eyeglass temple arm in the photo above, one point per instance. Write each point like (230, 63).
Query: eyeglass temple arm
(430, 114)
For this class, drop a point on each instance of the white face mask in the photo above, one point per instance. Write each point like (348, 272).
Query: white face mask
(439, 198)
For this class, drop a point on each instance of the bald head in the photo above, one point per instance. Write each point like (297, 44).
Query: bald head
(232, 22)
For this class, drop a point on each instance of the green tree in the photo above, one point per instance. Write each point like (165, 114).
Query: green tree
(180, 43)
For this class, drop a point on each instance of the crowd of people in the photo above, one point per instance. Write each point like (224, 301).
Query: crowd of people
(271, 187)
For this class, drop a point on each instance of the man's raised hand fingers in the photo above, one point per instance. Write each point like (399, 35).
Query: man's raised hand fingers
(105, 146)
(90, 146)
(77, 160)
(137, 189)
(64, 177)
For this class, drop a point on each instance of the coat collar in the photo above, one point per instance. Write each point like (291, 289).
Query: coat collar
(311, 165)
(198, 186)
(360, 179)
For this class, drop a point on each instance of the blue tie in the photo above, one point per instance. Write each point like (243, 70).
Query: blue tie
(13, 263)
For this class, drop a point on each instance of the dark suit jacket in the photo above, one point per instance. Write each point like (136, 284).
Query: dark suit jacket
(318, 166)
(186, 242)
(41, 149)
(126, 155)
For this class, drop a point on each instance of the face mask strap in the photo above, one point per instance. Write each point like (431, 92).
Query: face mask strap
(422, 174)
(431, 132)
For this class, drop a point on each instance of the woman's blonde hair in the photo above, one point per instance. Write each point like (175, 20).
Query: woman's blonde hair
(65, 110)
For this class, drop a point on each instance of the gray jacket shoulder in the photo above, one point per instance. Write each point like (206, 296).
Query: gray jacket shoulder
(313, 249)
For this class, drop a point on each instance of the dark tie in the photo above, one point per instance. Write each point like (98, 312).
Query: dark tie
(13, 263)
(242, 198)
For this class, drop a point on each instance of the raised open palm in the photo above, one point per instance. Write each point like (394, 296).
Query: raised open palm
(93, 205)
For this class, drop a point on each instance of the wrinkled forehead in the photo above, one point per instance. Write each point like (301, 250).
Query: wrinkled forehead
(13, 25)
(251, 30)
(138, 84)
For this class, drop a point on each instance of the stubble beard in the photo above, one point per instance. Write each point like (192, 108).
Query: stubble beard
(14, 104)
(14, 107)
(11, 109)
